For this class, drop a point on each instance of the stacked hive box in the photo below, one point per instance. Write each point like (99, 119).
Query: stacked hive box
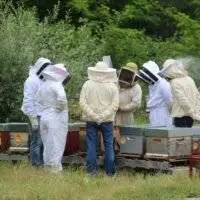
(14, 137)
(73, 139)
(82, 137)
(132, 140)
(168, 143)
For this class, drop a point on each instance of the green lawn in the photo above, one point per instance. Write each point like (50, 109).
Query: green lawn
(22, 182)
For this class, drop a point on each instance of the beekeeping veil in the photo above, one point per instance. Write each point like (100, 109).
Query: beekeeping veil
(173, 69)
(39, 66)
(56, 72)
(149, 72)
(127, 75)
(101, 72)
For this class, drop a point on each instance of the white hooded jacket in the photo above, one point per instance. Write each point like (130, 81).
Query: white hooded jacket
(30, 105)
(99, 98)
(186, 97)
(160, 98)
(54, 118)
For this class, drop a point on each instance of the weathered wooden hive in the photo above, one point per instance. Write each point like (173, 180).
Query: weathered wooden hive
(14, 137)
(168, 143)
(73, 139)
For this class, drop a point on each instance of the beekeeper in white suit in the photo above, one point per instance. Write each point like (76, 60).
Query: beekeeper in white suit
(160, 96)
(99, 101)
(54, 118)
(33, 109)
(186, 97)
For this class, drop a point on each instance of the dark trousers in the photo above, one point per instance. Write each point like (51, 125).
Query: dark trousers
(36, 147)
(185, 121)
(92, 139)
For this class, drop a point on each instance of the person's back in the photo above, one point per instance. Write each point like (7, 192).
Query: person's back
(50, 89)
(189, 90)
(160, 98)
(100, 97)
(99, 100)
(186, 98)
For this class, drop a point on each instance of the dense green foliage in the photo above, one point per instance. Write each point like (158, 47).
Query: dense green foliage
(80, 32)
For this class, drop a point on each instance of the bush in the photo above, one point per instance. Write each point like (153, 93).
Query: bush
(23, 39)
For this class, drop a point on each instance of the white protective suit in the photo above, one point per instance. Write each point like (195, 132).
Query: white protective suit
(186, 97)
(54, 118)
(129, 101)
(160, 98)
(30, 105)
(99, 98)
(130, 96)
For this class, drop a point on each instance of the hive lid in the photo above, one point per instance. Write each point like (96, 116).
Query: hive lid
(168, 132)
(137, 130)
(15, 127)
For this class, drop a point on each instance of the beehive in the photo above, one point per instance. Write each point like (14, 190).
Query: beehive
(168, 143)
(18, 134)
(72, 143)
(132, 140)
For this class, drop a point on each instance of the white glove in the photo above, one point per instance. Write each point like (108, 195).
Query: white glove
(34, 122)
(60, 106)
(196, 116)
(99, 119)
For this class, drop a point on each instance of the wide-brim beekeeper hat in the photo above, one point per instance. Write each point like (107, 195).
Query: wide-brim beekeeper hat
(101, 72)
(131, 67)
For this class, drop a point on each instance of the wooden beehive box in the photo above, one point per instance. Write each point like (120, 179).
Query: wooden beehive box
(82, 138)
(4, 138)
(72, 141)
(168, 143)
(132, 140)
(18, 134)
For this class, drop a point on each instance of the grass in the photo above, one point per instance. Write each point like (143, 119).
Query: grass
(23, 182)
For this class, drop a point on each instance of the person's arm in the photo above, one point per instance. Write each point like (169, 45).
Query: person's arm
(30, 90)
(84, 105)
(167, 94)
(136, 100)
(61, 97)
(29, 103)
(181, 98)
(115, 103)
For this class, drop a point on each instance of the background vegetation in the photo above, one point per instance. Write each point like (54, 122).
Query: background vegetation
(80, 32)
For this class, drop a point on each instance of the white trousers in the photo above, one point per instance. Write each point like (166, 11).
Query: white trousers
(54, 128)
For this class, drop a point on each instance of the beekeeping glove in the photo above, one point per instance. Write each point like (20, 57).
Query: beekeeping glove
(98, 118)
(34, 122)
(60, 106)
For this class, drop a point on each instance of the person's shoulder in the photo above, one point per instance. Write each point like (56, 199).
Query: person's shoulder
(137, 86)
(32, 81)
(88, 83)
(163, 82)
(190, 79)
